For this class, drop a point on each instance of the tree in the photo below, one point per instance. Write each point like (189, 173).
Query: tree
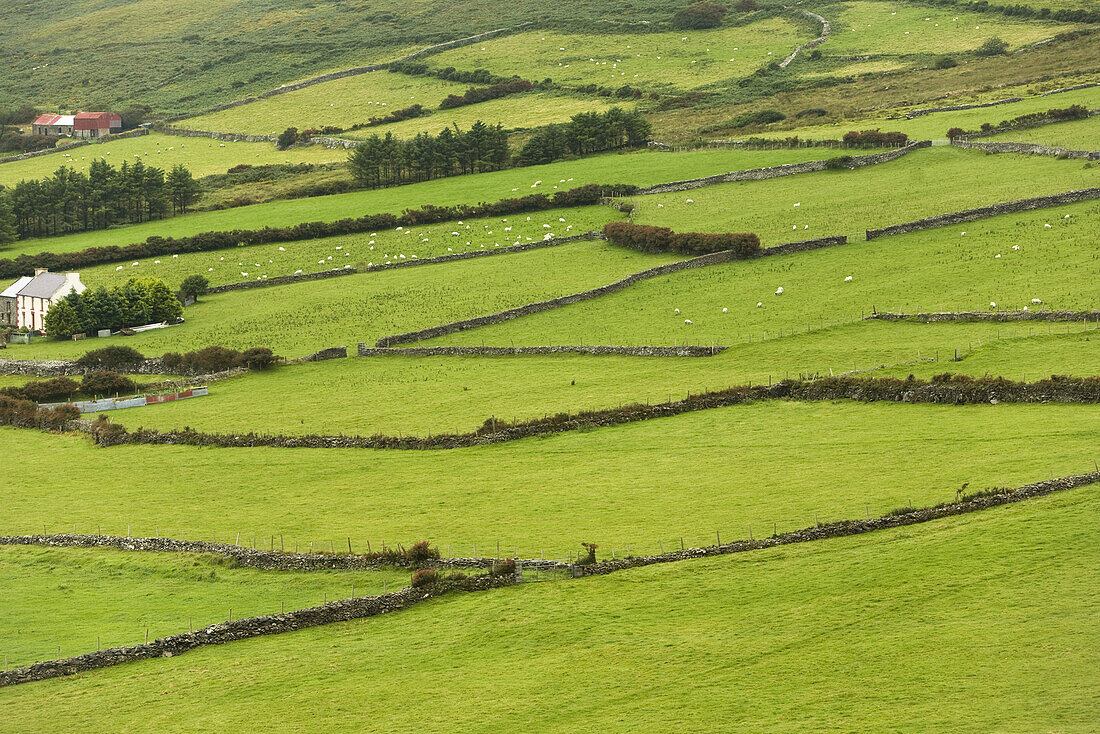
(183, 190)
(699, 15)
(61, 320)
(8, 231)
(993, 47)
(194, 286)
(287, 138)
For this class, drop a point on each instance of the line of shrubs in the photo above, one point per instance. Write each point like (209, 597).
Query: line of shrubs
(474, 95)
(650, 238)
(874, 139)
(201, 361)
(945, 389)
(59, 389)
(207, 241)
(26, 414)
(1023, 122)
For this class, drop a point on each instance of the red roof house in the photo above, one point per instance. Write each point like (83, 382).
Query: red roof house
(95, 124)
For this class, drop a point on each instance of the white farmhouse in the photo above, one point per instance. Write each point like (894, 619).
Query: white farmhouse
(34, 296)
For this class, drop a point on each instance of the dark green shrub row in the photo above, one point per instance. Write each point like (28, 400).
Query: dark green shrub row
(207, 241)
(218, 359)
(111, 358)
(59, 389)
(874, 139)
(474, 95)
(27, 414)
(1024, 11)
(1023, 122)
(649, 238)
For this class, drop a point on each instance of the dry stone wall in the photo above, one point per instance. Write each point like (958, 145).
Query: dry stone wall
(241, 629)
(929, 110)
(788, 169)
(992, 316)
(702, 261)
(848, 527)
(969, 215)
(676, 351)
(1027, 149)
(64, 148)
(825, 28)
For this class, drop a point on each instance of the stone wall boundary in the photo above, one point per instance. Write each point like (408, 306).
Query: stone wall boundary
(787, 169)
(955, 108)
(990, 316)
(69, 367)
(714, 258)
(78, 144)
(825, 28)
(353, 71)
(970, 215)
(240, 629)
(1074, 88)
(1027, 149)
(957, 390)
(595, 349)
(844, 528)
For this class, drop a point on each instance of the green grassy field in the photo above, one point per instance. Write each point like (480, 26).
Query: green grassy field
(943, 271)
(641, 168)
(203, 156)
(298, 319)
(892, 28)
(114, 596)
(1075, 135)
(936, 124)
(670, 60)
(458, 394)
(722, 470)
(906, 629)
(263, 261)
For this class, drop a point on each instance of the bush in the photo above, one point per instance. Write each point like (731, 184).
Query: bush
(874, 139)
(106, 383)
(111, 358)
(287, 138)
(746, 6)
(503, 567)
(993, 47)
(955, 132)
(838, 163)
(421, 551)
(54, 390)
(699, 15)
(474, 95)
(424, 576)
(944, 62)
(194, 286)
(590, 554)
(649, 238)
(760, 117)
(813, 112)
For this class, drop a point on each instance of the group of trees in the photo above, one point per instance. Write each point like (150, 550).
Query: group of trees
(649, 238)
(137, 301)
(474, 95)
(388, 161)
(74, 201)
(587, 132)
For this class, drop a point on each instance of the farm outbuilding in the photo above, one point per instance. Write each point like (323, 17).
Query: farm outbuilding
(53, 125)
(80, 125)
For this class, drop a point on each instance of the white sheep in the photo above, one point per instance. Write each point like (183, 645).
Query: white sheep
(760, 304)
(687, 321)
(992, 304)
(1036, 300)
(779, 291)
(848, 279)
(724, 310)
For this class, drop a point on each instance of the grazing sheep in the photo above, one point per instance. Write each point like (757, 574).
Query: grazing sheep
(848, 279)
(687, 321)
(724, 310)
(779, 291)
(1036, 300)
(760, 304)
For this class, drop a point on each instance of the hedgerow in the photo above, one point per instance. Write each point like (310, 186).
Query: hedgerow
(649, 238)
(208, 241)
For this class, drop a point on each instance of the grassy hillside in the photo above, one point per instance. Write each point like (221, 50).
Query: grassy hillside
(1076, 135)
(641, 168)
(180, 62)
(673, 60)
(202, 156)
(722, 470)
(114, 596)
(906, 630)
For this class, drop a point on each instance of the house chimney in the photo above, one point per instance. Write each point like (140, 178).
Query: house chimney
(39, 271)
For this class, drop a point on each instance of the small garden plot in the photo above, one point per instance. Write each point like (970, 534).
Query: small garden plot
(109, 598)
(405, 244)
(897, 28)
(202, 156)
(673, 60)
(996, 263)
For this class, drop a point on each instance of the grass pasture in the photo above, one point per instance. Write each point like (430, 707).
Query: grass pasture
(116, 595)
(971, 608)
(297, 319)
(900, 29)
(642, 168)
(670, 60)
(943, 271)
(722, 470)
(203, 156)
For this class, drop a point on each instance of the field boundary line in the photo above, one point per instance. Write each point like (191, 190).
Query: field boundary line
(596, 349)
(992, 316)
(358, 608)
(825, 29)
